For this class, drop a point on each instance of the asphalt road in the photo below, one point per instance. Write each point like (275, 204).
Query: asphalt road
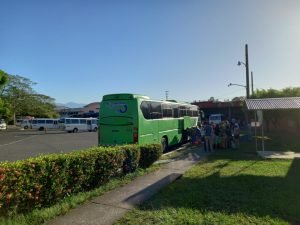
(22, 144)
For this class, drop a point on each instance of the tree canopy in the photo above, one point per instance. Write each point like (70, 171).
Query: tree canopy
(273, 93)
(20, 99)
(3, 81)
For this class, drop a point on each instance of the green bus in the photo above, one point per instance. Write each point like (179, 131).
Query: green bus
(131, 118)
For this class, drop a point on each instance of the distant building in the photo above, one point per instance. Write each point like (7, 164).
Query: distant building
(89, 110)
(232, 109)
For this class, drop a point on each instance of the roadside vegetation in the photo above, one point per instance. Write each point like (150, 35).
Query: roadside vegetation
(38, 189)
(17, 97)
(40, 216)
(230, 187)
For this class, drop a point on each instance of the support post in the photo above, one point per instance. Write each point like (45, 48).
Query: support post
(247, 71)
(262, 130)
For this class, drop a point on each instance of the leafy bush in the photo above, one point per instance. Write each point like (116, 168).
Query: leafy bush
(149, 154)
(44, 180)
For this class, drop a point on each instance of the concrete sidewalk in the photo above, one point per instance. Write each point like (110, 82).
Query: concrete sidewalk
(278, 155)
(111, 206)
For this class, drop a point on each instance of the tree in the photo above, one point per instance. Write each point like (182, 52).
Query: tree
(273, 93)
(241, 98)
(3, 81)
(22, 100)
(212, 99)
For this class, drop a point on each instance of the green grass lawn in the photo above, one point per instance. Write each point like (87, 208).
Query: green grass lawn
(231, 187)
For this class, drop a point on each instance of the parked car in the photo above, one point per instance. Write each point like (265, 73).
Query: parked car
(3, 125)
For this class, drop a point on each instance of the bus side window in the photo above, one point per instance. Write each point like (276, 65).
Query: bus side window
(182, 111)
(175, 112)
(155, 110)
(84, 121)
(145, 109)
(167, 110)
(195, 113)
(74, 121)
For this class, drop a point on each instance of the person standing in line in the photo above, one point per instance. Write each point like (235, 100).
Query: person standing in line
(209, 137)
(236, 135)
(203, 137)
(217, 137)
(198, 134)
(228, 136)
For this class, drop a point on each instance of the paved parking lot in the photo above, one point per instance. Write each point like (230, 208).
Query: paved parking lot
(22, 144)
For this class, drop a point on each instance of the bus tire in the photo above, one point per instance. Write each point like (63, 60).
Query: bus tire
(164, 144)
(75, 130)
(26, 127)
(95, 129)
(41, 128)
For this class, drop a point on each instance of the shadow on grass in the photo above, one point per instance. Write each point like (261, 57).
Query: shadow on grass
(260, 196)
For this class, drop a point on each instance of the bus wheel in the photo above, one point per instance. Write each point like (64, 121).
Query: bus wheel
(164, 144)
(75, 130)
(95, 129)
(41, 128)
(25, 127)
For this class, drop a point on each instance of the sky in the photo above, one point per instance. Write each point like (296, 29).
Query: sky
(78, 51)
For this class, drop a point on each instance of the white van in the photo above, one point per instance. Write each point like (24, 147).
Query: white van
(78, 124)
(216, 118)
(44, 123)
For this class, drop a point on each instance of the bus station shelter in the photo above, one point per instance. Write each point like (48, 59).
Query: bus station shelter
(261, 105)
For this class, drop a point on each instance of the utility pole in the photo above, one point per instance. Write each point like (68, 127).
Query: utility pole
(247, 71)
(252, 82)
(167, 95)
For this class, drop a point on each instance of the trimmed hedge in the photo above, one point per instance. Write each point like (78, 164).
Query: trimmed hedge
(42, 181)
(149, 154)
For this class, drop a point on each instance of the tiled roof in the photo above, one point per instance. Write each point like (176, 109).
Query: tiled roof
(273, 103)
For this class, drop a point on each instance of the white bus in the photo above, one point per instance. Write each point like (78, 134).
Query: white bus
(44, 123)
(78, 124)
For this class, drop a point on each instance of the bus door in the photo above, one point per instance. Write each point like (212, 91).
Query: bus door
(89, 125)
(186, 125)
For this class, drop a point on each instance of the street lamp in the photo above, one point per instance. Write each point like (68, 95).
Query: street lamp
(246, 64)
(231, 84)
(240, 63)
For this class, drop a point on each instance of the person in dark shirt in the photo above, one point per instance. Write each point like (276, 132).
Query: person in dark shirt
(228, 136)
(209, 137)
(217, 137)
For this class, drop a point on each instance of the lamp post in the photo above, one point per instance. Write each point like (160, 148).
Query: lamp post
(252, 91)
(231, 84)
(246, 64)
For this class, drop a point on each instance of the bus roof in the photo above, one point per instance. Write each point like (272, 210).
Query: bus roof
(127, 96)
(123, 96)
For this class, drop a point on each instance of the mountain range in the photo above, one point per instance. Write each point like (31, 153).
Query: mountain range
(71, 104)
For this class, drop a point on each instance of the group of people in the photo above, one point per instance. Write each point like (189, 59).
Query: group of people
(218, 136)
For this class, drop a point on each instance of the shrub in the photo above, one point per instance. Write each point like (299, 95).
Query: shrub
(149, 154)
(41, 181)
(44, 180)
